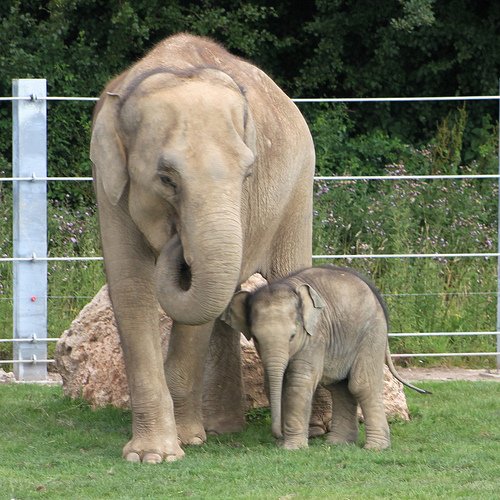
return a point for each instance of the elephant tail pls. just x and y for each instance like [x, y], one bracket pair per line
[396, 375]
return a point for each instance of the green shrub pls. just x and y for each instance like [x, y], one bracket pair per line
[414, 216]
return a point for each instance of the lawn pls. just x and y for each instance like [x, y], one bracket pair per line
[53, 447]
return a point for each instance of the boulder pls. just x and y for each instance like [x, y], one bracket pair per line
[89, 359]
[6, 377]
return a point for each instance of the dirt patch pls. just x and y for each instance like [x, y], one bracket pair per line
[441, 373]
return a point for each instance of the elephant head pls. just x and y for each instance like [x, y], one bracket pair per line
[174, 150]
[280, 319]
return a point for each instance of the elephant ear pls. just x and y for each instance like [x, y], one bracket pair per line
[235, 314]
[250, 136]
[107, 151]
[312, 307]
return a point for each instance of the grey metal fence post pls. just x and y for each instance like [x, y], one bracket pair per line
[498, 238]
[30, 227]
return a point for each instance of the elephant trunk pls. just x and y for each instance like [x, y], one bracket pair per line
[196, 277]
[275, 370]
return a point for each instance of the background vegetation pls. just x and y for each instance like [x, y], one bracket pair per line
[54, 448]
[339, 48]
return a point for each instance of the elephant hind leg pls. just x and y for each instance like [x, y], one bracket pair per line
[344, 425]
[321, 414]
[223, 395]
[371, 400]
[376, 426]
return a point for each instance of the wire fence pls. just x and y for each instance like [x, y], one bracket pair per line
[25, 356]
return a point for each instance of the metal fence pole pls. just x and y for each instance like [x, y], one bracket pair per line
[498, 238]
[30, 227]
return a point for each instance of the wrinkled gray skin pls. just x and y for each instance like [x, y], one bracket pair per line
[323, 325]
[203, 172]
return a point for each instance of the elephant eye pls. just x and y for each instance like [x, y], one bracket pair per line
[167, 180]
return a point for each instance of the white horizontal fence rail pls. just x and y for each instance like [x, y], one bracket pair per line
[405, 255]
[34, 178]
[34, 258]
[397, 99]
[30, 342]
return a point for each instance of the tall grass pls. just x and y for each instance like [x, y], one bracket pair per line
[72, 232]
[423, 294]
[413, 216]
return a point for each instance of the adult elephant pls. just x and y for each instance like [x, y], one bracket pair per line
[203, 171]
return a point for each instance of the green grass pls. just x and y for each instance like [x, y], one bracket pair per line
[53, 447]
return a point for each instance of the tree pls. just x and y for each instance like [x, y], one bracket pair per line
[78, 45]
[404, 48]
[330, 48]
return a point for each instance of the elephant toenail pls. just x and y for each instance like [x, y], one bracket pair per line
[151, 458]
[133, 457]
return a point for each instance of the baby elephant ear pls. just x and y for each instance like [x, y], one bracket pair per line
[235, 314]
[312, 307]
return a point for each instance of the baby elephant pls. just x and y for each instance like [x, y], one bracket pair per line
[323, 325]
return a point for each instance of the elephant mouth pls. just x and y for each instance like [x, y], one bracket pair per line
[184, 276]
[180, 270]
[193, 289]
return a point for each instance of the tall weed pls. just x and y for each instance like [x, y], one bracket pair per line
[380, 217]
[72, 232]
[413, 216]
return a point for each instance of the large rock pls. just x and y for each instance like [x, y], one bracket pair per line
[89, 359]
[6, 377]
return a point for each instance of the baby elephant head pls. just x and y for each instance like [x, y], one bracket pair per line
[279, 318]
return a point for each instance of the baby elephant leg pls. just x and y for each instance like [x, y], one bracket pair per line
[298, 390]
[344, 426]
[321, 414]
[370, 397]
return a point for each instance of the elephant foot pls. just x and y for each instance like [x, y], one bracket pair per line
[338, 439]
[317, 430]
[292, 445]
[377, 438]
[377, 445]
[215, 425]
[191, 434]
[152, 451]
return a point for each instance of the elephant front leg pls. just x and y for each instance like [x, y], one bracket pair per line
[154, 435]
[184, 367]
[298, 389]
[223, 395]
[129, 270]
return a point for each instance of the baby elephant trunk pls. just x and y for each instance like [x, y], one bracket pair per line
[275, 370]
